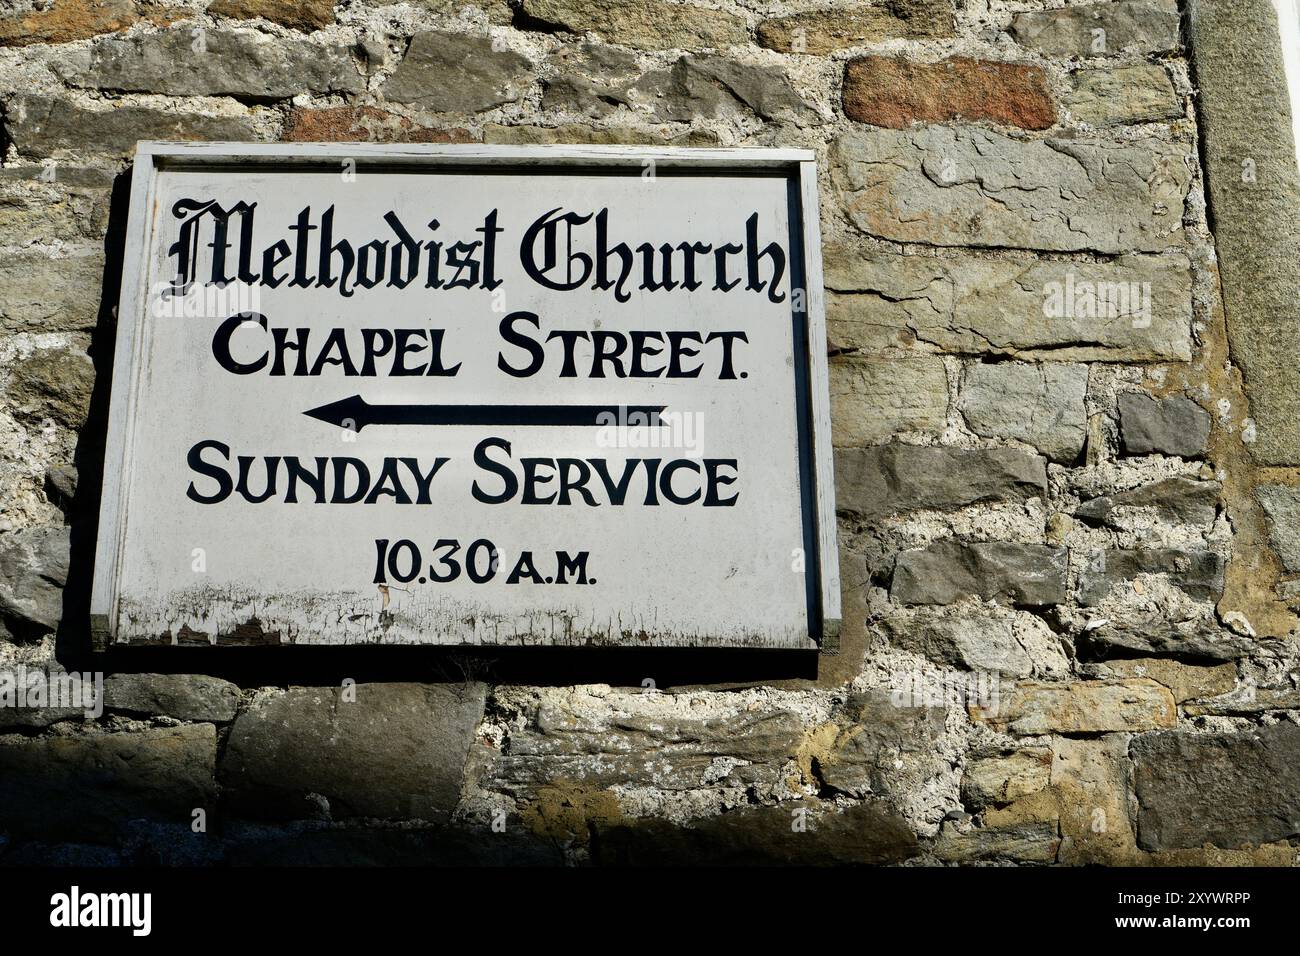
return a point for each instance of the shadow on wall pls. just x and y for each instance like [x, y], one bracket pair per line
[256, 666]
[73, 636]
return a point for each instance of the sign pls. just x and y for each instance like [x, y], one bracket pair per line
[468, 395]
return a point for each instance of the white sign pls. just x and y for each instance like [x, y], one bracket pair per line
[466, 395]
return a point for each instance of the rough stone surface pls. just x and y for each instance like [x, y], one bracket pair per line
[37, 714]
[41, 293]
[1018, 843]
[595, 61]
[53, 203]
[184, 696]
[1167, 426]
[64, 21]
[1246, 699]
[828, 30]
[46, 126]
[65, 174]
[1080, 707]
[1226, 789]
[714, 86]
[299, 14]
[495, 11]
[310, 752]
[873, 482]
[946, 571]
[892, 92]
[1152, 627]
[972, 268]
[1253, 190]
[61, 484]
[1010, 643]
[232, 62]
[595, 747]
[1135, 309]
[952, 186]
[1182, 500]
[101, 780]
[588, 135]
[33, 571]
[1199, 574]
[644, 24]
[1038, 404]
[1003, 778]
[873, 400]
[886, 749]
[1132, 94]
[1282, 506]
[1132, 26]
[863, 834]
[581, 95]
[52, 385]
[365, 124]
[446, 72]
[1184, 681]
[1092, 785]
[1086, 802]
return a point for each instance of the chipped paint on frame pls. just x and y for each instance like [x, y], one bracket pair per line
[390, 516]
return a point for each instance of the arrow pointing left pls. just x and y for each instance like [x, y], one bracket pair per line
[355, 413]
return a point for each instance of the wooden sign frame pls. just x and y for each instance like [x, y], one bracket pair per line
[797, 167]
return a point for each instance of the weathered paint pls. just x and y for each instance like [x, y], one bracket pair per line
[186, 559]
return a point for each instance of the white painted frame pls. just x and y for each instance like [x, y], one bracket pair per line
[798, 165]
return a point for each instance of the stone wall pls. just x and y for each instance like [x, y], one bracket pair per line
[1068, 622]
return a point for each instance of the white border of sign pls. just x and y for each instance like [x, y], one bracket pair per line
[799, 165]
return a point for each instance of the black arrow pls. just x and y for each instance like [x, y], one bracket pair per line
[355, 413]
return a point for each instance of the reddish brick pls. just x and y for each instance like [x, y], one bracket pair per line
[64, 21]
[886, 91]
[365, 124]
[298, 14]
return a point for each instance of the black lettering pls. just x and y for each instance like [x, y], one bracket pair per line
[482, 460]
[224, 484]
